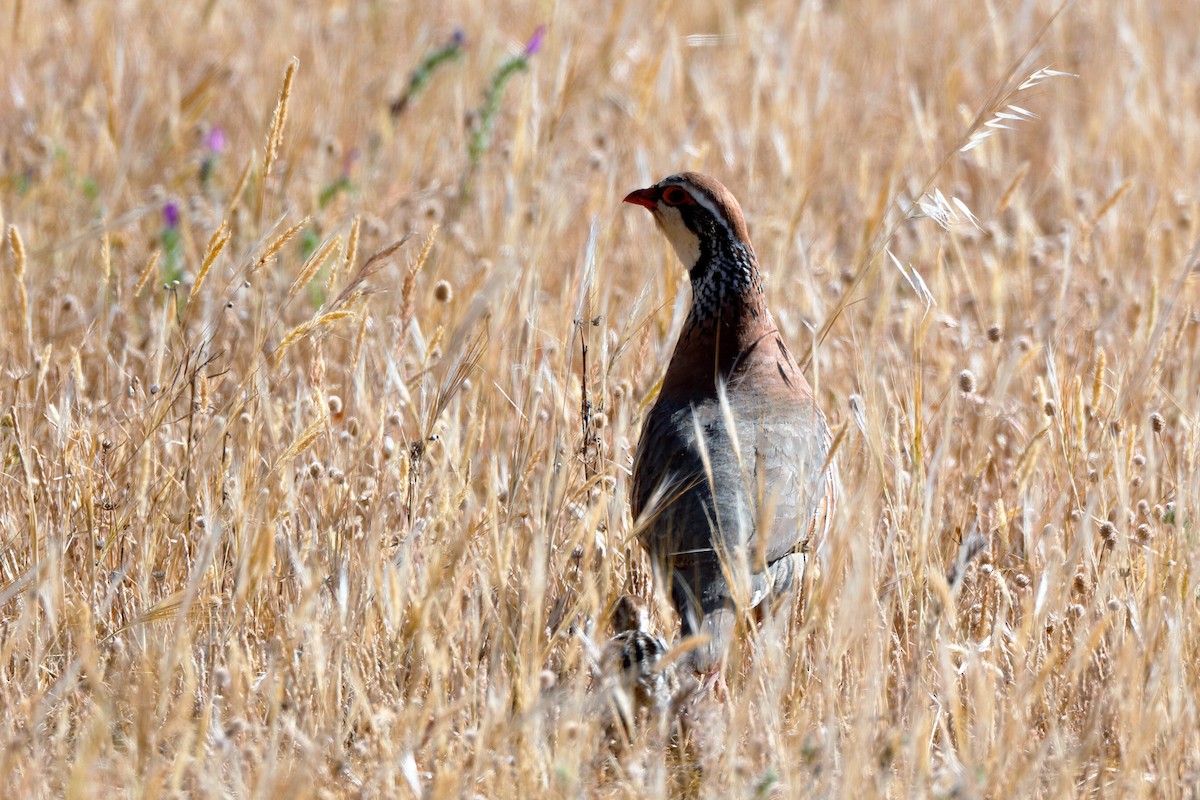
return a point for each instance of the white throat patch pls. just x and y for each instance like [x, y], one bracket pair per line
[686, 243]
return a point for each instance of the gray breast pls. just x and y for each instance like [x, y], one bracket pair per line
[701, 491]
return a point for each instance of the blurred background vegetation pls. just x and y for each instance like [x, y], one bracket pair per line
[291, 507]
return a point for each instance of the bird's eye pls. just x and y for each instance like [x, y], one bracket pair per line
[674, 196]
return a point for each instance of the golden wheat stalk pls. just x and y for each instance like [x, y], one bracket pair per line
[216, 244]
[147, 271]
[352, 246]
[279, 119]
[304, 441]
[310, 268]
[106, 259]
[307, 328]
[408, 288]
[240, 188]
[277, 244]
[17, 248]
[274, 136]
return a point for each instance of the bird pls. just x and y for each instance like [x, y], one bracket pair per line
[647, 684]
[733, 478]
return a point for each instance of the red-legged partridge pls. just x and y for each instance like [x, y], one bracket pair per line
[731, 480]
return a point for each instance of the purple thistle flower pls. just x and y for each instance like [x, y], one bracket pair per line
[215, 141]
[535, 42]
[171, 214]
[459, 38]
[352, 155]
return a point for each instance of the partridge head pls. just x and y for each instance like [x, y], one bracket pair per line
[635, 653]
[730, 480]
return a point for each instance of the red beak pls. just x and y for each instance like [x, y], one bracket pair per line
[644, 197]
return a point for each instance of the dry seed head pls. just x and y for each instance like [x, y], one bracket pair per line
[1108, 532]
[303, 441]
[18, 250]
[443, 292]
[432, 210]
[305, 329]
[236, 197]
[1098, 377]
[1157, 423]
[106, 258]
[407, 288]
[147, 271]
[216, 244]
[1048, 408]
[279, 118]
[966, 381]
[312, 266]
[277, 245]
[77, 371]
[352, 246]
[994, 333]
[360, 336]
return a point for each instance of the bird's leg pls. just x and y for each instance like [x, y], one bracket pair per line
[715, 685]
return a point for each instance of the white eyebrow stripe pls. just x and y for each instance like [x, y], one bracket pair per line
[705, 201]
[702, 199]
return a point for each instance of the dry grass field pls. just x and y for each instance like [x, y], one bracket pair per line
[289, 508]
